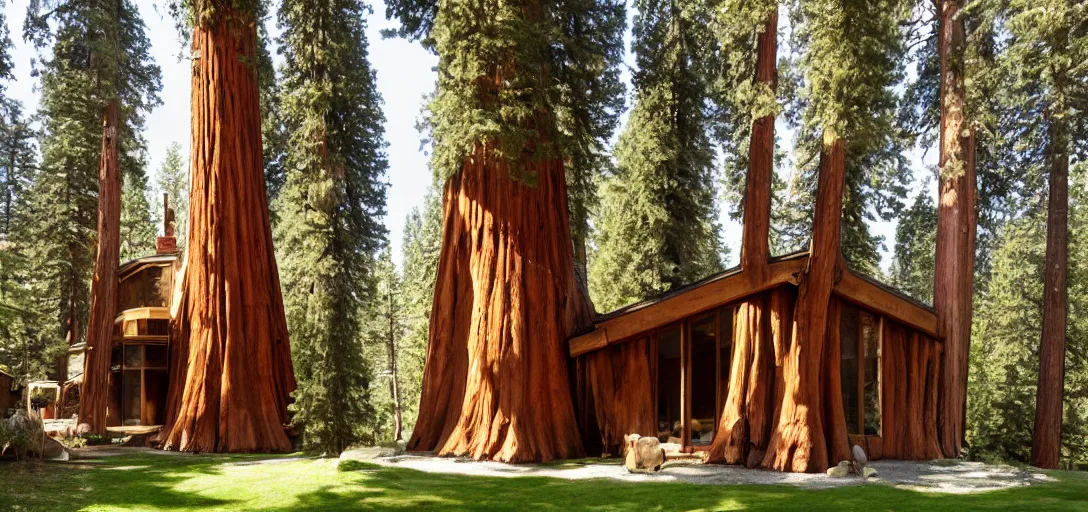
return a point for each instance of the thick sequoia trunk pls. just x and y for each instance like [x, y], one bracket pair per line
[799, 439]
[506, 299]
[96, 370]
[619, 383]
[956, 231]
[910, 368]
[1046, 436]
[744, 423]
[230, 369]
[834, 417]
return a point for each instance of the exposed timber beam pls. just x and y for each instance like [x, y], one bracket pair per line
[730, 287]
[869, 295]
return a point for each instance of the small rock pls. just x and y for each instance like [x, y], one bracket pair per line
[839, 471]
[844, 463]
[859, 455]
[868, 472]
[53, 450]
[83, 429]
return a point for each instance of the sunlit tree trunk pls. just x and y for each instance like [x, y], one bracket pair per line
[956, 231]
[800, 440]
[95, 389]
[746, 419]
[231, 374]
[506, 299]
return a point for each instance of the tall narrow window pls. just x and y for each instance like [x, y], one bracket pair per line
[860, 370]
[704, 354]
[670, 426]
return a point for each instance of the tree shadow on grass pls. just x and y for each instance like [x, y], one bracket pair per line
[139, 481]
[405, 489]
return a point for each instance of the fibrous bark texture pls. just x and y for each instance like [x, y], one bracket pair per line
[1046, 437]
[744, 425]
[506, 299]
[96, 372]
[798, 441]
[956, 231]
[619, 393]
[230, 368]
[834, 417]
[910, 380]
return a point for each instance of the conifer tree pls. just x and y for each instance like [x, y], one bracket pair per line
[1046, 52]
[172, 179]
[229, 330]
[421, 246]
[97, 84]
[137, 227]
[501, 144]
[385, 335]
[330, 228]
[877, 170]
[658, 227]
[915, 240]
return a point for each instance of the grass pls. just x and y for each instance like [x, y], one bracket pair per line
[146, 481]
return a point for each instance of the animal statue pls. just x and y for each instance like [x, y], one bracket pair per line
[644, 454]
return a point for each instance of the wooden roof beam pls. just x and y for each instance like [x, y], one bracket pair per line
[718, 292]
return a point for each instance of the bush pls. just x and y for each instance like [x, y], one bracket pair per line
[21, 434]
[95, 439]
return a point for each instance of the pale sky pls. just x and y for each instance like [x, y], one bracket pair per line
[405, 73]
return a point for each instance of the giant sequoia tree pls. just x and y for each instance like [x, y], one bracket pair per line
[749, 30]
[657, 229]
[1047, 51]
[330, 207]
[230, 360]
[96, 87]
[506, 295]
[877, 170]
[850, 51]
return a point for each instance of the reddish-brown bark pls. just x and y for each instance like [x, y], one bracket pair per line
[798, 441]
[231, 374]
[96, 366]
[744, 422]
[1046, 437]
[506, 299]
[834, 417]
[621, 387]
[956, 230]
[910, 380]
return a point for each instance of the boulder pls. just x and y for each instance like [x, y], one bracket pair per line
[54, 450]
[644, 454]
[839, 471]
[869, 472]
[859, 455]
[83, 429]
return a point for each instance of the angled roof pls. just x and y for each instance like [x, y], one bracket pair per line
[131, 266]
[732, 285]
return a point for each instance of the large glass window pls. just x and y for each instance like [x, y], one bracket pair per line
[704, 379]
[860, 370]
[669, 386]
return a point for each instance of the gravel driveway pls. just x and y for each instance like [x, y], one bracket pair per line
[937, 476]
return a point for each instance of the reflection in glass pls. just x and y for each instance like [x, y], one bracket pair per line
[704, 349]
[669, 427]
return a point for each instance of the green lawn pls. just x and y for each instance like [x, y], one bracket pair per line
[162, 482]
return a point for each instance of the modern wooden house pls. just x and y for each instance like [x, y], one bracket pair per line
[663, 367]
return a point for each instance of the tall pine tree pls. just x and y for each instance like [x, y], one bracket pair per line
[330, 229]
[877, 171]
[172, 179]
[915, 240]
[98, 53]
[658, 228]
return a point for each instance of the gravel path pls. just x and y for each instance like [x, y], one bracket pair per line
[943, 476]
